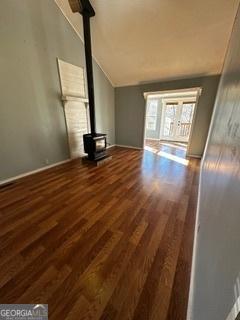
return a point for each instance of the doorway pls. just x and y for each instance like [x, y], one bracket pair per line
[170, 116]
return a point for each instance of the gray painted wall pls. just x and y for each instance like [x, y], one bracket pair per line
[130, 110]
[217, 259]
[32, 123]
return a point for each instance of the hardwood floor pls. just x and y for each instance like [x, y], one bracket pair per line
[159, 144]
[110, 242]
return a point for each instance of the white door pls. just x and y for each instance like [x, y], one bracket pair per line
[177, 119]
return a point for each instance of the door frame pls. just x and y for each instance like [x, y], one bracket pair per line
[165, 92]
[178, 101]
[199, 92]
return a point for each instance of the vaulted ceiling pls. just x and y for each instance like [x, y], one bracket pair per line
[146, 40]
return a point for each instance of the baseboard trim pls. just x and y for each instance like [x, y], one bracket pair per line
[194, 253]
[235, 312]
[129, 147]
[6, 181]
[194, 156]
[112, 145]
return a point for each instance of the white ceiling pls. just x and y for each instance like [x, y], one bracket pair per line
[146, 40]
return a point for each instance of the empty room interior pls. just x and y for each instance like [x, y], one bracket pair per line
[120, 160]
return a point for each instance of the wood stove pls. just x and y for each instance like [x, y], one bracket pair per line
[94, 143]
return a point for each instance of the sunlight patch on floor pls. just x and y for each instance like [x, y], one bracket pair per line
[168, 156]
[181, 146]
[173, 157]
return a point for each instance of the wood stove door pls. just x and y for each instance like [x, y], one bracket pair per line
[76, 114]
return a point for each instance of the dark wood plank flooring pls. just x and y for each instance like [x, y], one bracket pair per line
[110, 242]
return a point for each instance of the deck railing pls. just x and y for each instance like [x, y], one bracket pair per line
[183, 129]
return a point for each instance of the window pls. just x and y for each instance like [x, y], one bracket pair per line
[151, 116]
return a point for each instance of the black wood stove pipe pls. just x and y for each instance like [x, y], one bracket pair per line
[87, 11]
